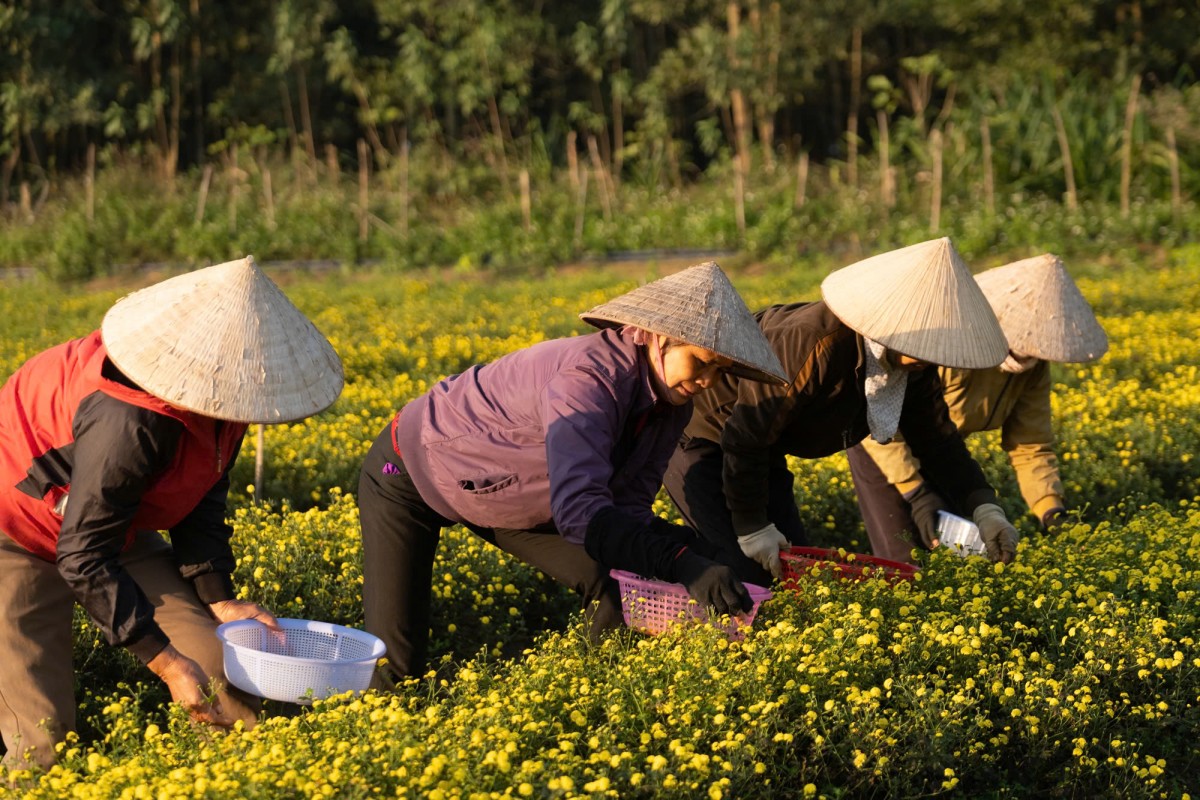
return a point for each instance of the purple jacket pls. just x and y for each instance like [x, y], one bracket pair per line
[546, 436]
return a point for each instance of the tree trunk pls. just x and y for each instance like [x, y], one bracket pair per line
[405, 200]
[364, 178]
[89, 183]
[855, 98]
[233, 188]
[7, 170]
[1127, 143]
[498, 139]
[737, 100]
[526, 200]
[1068, 166]
[739, 199]
[601, 178]
[764, 115]
[801, 181]
[618, 160]
[202, 200]
[197, 87]
[573, 160]
[176, 109]
[289, 119]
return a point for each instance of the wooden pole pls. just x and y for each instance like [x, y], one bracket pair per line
[935, 203]
[259, 462]
[405, 200]
[364, 177]
[852, 117]
[1127, 143]
[89, 182]
[233, 188]
[801, 181]
[739, 198]
[526, 200]
[580, 207]
[989, 181]
[202, 201]
[598, 168]
[887, 192]
[268, 195]
[573, 162]
[1064, 145]
[1173, 165]
[331, 163]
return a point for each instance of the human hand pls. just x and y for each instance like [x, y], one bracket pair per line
[230, 610]
[924, 505]
[186, 681]
[712, 585]
[998, 534]
[763, 546]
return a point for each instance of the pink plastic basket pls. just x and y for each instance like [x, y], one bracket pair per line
[653, 606]
[799, 561]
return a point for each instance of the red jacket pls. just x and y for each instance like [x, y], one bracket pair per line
[87, 460]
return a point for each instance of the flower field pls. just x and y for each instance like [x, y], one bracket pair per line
[1074, 672]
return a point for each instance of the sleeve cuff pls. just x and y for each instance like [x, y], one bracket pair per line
[904, 487]
[150, 645]
[213, 587]
[1047, 503]
[746, 522]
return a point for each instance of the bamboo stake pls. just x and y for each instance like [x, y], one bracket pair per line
[886, 190]
[598, 168]
[233, 188]
[1127, 143]
[935, 203]
[801, 181]
[572, 162]
[1173, 165]
[259, 463]
[364, 177]
[989, 182]
[580, 207]
[526, 200]
[26, 201]
[268, 196]
[1068, 167]
[89, 182]
[739, 198]
[405, 200]
[205, 180]
[852, 118]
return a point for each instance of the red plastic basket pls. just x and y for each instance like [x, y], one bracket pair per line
[798, 563]
[653, 606]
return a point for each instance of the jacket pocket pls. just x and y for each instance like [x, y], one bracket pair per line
[487, 484]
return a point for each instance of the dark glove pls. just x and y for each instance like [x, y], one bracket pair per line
[1053, 520]
[925, 505]
[712, 585]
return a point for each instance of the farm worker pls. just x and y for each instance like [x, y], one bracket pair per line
[555, 453]
[857, 362]
[113, 437]
[1044, 318]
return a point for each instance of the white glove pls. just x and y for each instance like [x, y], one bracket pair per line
[998, 534]
[763, 546]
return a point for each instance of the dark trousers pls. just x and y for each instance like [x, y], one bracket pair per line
[885, 512]
[694, 482]
[400, 537]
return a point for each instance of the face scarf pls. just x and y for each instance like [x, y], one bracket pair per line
[641, 336]
[1016, 364]
[885, 393]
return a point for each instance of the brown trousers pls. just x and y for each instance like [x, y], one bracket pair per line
[37, 703]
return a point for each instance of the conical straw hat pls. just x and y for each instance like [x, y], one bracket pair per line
[226, 343]
[920, 301]
[1042, 311]
[699, 306]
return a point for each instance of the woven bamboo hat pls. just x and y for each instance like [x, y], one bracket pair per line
[920, 301]
[224, 342]
[1042, 312]
[699, 306]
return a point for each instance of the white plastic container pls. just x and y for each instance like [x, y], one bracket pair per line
[960, 534]
[302, 662]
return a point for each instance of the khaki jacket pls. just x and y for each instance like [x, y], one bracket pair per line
[984, 400]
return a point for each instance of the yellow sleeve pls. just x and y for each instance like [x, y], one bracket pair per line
[896, 461]
[1027, 435]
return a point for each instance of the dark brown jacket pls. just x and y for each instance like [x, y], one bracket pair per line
[821, 412]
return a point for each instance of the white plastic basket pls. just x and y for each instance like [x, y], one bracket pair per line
[302, 662]
[960, 535]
